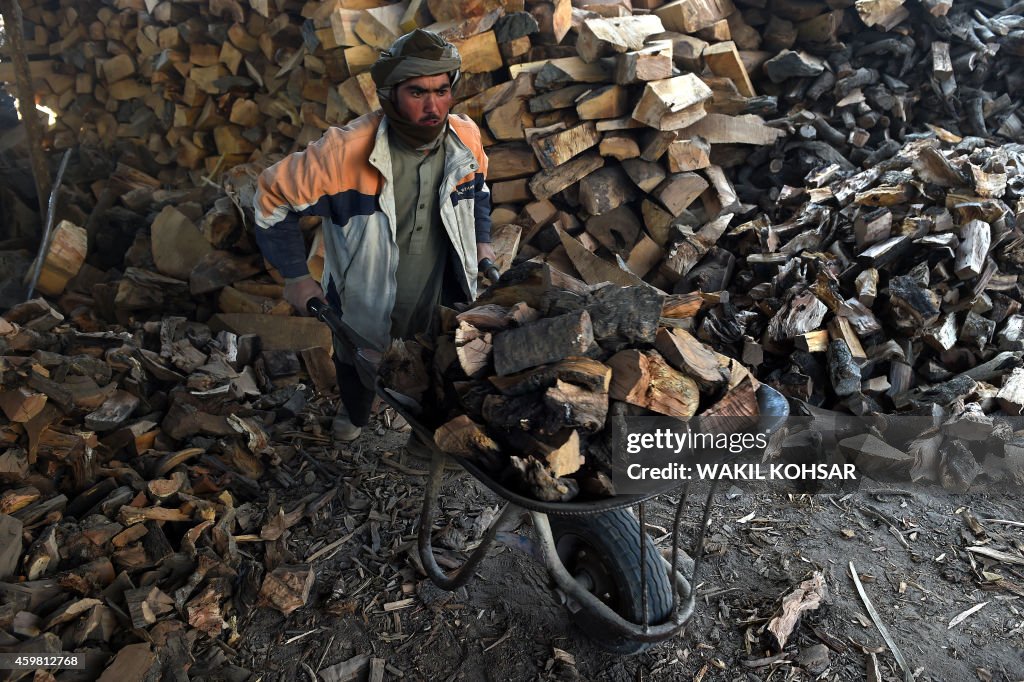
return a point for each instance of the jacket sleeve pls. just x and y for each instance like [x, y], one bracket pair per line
[482, 202]
[294, 187]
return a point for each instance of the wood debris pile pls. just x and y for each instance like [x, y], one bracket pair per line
[617, 133]
[131, 500]
[524, 381]
[855, 84]
[627, 146]
[894, 290]
[201, 87]
[206, 86]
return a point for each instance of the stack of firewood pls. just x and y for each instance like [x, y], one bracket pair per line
[130, 493]
[893, 290]
[628, 148]
[915, 261]
[206, 86]
[852, 90]
[616, 133]
[524, 381]
[623, 144]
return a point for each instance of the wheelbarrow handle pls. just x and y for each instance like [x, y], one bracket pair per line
[490, 270]
[322, 310]
[361, 352]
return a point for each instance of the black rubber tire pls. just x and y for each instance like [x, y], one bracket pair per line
[606, 548]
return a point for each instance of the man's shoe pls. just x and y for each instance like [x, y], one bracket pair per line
[343, 430]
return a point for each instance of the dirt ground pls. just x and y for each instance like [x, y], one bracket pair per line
[907, 544]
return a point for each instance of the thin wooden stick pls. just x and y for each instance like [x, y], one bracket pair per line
[908, 675]
[1005, 522]
[334, 545]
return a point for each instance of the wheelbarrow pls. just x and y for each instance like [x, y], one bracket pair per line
[616, 585]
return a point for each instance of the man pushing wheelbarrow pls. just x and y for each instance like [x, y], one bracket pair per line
[407, 228]
[406, 214]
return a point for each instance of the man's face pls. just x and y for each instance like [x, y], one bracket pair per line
[424, 100]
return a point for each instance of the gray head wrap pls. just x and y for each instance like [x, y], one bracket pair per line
[420, 53]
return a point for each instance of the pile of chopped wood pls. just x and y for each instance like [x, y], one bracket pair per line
[202, 266]
[853, 95]
[523, 382]
[131, 498]
[207, 86]
[614, 133]
[893, 290]
[905, 275]
[610, 166]
[630, 147]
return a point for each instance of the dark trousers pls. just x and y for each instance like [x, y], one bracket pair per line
[358, 399]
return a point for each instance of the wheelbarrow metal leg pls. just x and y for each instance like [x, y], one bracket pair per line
[510, 513]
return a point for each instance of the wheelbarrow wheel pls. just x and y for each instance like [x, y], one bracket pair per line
[603, 553]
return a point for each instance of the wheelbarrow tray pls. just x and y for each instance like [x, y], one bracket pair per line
[772, 406]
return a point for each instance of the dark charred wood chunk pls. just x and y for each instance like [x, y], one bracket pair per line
[584, 372]
[788, 64]
[219, 269]
[876, 457]
[977, 331]
[156, 544]
[514, 25]
[526, 412]
[114, 412]
[959, 466]
[933, 372]
[526, 283]
[625, 316]
[908, 294]
[843, 371]
[11, 544]
[542, 342]
[779, 34]
[943, 394]
[714, 273]
[886, 252]
[471, 396]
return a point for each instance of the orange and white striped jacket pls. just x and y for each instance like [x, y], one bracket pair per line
[346, 177]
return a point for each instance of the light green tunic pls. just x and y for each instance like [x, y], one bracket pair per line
[423, 245]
